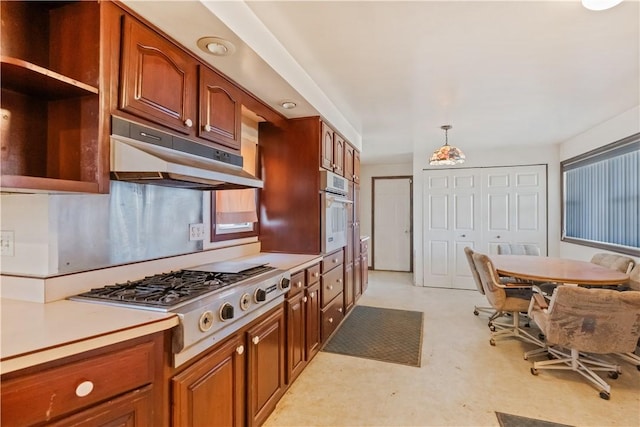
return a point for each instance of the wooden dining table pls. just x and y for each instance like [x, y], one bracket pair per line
[558, 270]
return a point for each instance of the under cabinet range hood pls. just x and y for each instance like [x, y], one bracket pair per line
[148, 156]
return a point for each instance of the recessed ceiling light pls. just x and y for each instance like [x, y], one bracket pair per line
[216, 46]
[600, 4]
[288, 105]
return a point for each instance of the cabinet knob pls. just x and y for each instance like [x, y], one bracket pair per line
[312, 295]
[207, 128]
[497, 237]
[333, 165]
[335, 260]
[240, 349]
[255, 339]
[299, 284]
[340, 281]
[331, 320]
[304, 299]
[339, 309]
[316, 274]
[462, 235]
[330, 287]
[188, 123]
[84, 388]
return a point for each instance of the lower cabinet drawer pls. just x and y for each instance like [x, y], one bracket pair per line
[46, 395]
[332, 285]
[332, 315]
[297, 283]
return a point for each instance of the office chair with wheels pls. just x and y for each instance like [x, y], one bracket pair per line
[511, 298]
[577, 321]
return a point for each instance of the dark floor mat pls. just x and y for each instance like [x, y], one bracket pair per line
[383, 334]
[508, 420]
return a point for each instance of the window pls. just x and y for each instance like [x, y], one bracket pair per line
[601, 197]
[233, 214]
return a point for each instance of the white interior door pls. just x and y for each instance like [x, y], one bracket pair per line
[515, 204]
[392, 235]
[452, 221]
[479, 208]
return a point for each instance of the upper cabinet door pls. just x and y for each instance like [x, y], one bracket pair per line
[348, 162]
[338, 154]
[356, 166]
[220, 110]
[158, 79]
[326, 147]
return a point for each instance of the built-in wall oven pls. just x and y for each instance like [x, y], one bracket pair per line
[333, 207]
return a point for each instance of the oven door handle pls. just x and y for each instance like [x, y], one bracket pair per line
[332, 199]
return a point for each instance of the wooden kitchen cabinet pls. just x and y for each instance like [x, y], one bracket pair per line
[349, 152]
[115, 385]
[212, 391]
[219, 115]
[265, 366]
[338, 154]
[159, 79]
[332, 148]
[356, 166]
[53, 66]
[303, 321]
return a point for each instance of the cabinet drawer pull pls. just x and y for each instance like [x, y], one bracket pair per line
[188, 123]
[339, 309]
[84, 388]
[330, 287]
[339, 281]
[255, 339]
[313, 295]
[304, 299]
[299, 284]
[207, 128]
[240, 349]
[316, 274]
[335, 260]
[331, 320]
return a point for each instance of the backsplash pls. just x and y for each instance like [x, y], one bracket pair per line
[83, 232]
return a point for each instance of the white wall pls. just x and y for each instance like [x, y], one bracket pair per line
[612, 130]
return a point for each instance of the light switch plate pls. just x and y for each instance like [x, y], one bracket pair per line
[7, 241]
[196, 232]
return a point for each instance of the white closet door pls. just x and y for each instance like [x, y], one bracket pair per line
[479, 208]
[515, 205]
[452, 221]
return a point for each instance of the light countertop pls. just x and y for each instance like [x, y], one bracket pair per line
[35, 332]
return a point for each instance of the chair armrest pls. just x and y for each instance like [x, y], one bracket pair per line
[540, 301]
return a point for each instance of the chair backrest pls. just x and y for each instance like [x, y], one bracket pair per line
[634, 278]
[592, 320]
[469, 253]
[518, 249]
[624, 264]
[490, 281]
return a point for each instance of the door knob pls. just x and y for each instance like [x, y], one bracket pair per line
[463, 235]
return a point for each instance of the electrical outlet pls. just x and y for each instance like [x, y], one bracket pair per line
[6, 243]
[196, 232]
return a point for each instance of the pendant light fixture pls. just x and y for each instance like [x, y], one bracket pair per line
[447, 154]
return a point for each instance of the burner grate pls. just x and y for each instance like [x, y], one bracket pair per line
[167, 290]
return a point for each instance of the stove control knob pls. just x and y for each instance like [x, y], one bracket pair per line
[260, 295]
[284, 283]
[206, 321]
[226, 311]
[245, 301]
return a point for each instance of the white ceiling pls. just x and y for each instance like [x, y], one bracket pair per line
[388, 74]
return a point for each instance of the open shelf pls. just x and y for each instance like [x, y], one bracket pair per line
[25, 77]
[34, 184]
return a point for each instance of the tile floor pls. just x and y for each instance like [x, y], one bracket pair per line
[462, 380]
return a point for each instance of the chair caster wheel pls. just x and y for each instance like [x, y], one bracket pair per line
[476, 312]
[492, 342]
[534, 371]
[613, 375]
[604, 395]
